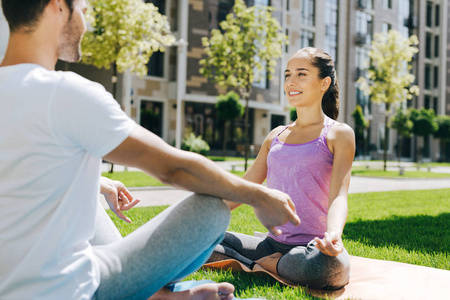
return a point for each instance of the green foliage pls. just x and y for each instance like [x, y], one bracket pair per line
[389, 69]
[133, 178]
[228, 107]
[125, 33]
[195, 144]
[361, 122]
[250, 42]
[424, 121]
[401, 122]
[443, 131]
[358, 116]
[293, 114]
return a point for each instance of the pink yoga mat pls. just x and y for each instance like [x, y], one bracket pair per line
[373, 279]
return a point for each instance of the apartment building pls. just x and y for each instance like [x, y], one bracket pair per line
[175, 90]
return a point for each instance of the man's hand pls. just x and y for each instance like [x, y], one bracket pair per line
[275, 210]
[330, 245]
[117, 196]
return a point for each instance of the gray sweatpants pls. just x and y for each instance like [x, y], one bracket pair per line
[304, 264]
[164, 250]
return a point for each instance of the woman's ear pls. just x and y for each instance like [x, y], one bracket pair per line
[326, 83]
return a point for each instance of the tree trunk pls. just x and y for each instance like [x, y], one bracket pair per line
[385, 136]
[400, 142]
[247, 96]
[114, 93]
[224, 147]
[365, 135]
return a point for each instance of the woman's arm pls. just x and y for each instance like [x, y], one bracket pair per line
[341, 141]
[257, 172]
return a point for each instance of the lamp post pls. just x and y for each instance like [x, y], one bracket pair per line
[181, 87]
[181, 64]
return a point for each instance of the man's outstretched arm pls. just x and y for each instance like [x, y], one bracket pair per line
[191, 171]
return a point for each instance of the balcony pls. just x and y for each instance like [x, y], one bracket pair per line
[360, 73]
[363, 39]
[363, 4]
[411, 22]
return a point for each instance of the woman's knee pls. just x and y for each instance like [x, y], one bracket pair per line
[308, 266]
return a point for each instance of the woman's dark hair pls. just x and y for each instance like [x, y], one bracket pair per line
[325, 64]
[26, 13]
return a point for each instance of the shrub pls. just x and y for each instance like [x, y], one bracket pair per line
[195, 144]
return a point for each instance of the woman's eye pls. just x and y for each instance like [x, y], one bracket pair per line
[286, 76]
[301, 74]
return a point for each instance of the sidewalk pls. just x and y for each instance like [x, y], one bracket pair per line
[155, 196]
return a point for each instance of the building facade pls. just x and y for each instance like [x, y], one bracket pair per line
[175, 90]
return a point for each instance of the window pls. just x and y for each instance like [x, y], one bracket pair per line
[263, 81]
[429, 14]
[155, 65]
[306, 39]
[427, 101]
[428, 46]
[427, 77]
[436, 76]
[277, 120]
[151, 116]
[437, 14]
[406, 18]
[436, 46]
[308, 12]
[160, 4]
[435, 104]
[385, 27]
[387, 4]
[331, 26]
[364, 25]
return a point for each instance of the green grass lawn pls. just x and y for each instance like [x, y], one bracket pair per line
[140, 179]
[360, 171]
[406, 226]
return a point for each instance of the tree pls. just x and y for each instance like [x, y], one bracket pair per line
[443, 133]
[293, 113]
[250, 42]
[228, 109]
[389, 78]
[123, 35]
[424, 123]
[401, 122]
[361, 124]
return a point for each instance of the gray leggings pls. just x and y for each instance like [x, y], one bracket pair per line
[164, 250]
[304, 265]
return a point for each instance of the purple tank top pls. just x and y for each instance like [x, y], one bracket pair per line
[303, 171]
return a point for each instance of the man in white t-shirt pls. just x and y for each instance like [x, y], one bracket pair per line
[55, 129]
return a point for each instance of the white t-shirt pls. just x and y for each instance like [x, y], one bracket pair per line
[54, 129]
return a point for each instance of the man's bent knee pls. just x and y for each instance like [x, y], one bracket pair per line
[212, 210]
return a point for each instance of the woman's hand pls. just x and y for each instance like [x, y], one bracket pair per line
[330, 245]
[117, 196]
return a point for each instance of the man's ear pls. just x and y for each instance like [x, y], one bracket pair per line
[326, 83]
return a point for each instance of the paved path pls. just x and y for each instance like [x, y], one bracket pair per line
[153, 196]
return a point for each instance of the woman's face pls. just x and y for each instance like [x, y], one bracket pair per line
[302, 84]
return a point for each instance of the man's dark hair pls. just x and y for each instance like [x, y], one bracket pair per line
[26, 13]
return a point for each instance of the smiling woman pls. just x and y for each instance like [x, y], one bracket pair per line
[311, 161]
